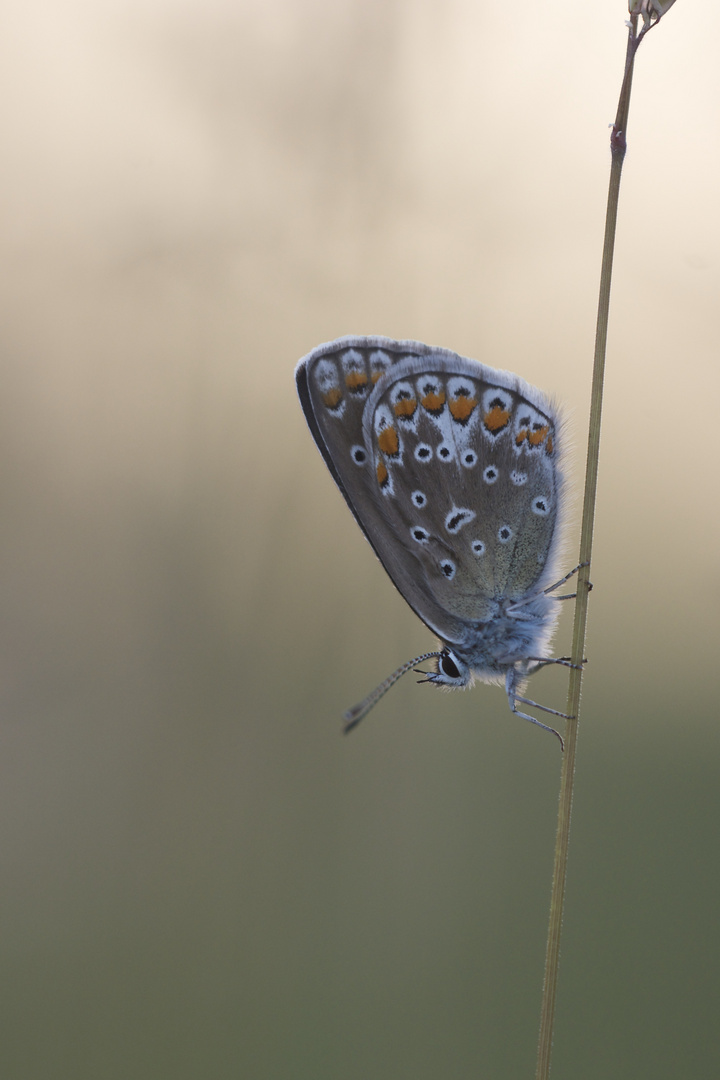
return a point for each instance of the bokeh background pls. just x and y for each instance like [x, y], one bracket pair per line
[199, 876]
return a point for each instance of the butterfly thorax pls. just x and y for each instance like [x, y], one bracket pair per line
[509, 639]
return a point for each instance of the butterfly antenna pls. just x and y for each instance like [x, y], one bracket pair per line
[358, 712]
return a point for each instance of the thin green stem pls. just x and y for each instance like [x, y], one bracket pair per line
[617, 145]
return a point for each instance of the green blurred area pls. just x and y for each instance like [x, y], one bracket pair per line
[200, 876]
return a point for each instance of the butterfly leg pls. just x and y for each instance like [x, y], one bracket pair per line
[512, 610]
[513, 698]
[534, 720]
[567, 596]
[565, 661]
[537, 705]
[552, 588]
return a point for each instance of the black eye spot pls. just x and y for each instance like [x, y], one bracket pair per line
[423, 452]
[469, 458]
[504, 534]
[444, 453]
[418, 498]
[448, 568]
[358, 455]
[420, 535]
[449, 667]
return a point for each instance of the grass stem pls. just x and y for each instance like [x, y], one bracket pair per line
[617, 146]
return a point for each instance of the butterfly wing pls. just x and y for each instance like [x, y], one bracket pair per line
[448, 466]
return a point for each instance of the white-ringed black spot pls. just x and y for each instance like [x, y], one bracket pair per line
[504, 534]
[356, 380]
[458, 517]
[402, 391]
[379, 363]
[478, 547]
[490, 474]
[497, 398]
[423, 452]
[469, 458]
[497, 406]
[359, 455]
[444, 452]
[419, 535]
[448, 568]
[541, 506]
[326, 375]
[419, 499]
[518, 478]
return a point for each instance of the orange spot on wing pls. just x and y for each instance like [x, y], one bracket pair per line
[382, 474]
[434, 402]
[496, 419]
[332, 398]
[388, 441]
[405, 407]
[355, 381]
[549, 445]
[521, 436]
[535, 438]
[375, 376]
[461, 408]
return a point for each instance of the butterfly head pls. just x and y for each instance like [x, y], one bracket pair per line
[450, 671]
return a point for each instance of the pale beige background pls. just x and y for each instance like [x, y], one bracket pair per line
[200, 877]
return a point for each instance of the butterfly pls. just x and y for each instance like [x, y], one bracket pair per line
[452, 470]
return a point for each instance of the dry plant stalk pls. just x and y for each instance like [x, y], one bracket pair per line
[650, 11]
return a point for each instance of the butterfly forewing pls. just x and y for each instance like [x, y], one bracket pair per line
[449, 467]
[335, 383]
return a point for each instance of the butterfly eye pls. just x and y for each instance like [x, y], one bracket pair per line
[448, 666]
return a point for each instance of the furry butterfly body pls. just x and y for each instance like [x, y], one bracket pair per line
[451, 469]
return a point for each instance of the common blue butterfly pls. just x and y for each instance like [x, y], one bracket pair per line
[451, 469]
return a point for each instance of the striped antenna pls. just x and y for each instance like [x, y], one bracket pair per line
[353, 716]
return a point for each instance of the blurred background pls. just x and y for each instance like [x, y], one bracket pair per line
[199, 876]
